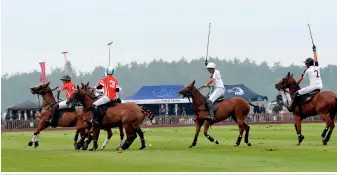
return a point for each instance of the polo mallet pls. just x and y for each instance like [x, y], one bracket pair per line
[109, 51]
[65, 61]
[312, 40]
[209, 33]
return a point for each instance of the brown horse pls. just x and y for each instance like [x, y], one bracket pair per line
[67, 117]
[89, 137]
[236, 107]
[91, 91]
[129, 115]
[322, 103]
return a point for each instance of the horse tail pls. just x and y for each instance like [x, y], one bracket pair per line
[251, 104]
[147, 113]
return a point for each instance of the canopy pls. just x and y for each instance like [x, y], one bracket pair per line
[157, 95]
[240, 90]
[24, 105]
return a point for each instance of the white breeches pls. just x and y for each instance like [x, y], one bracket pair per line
[63, 105]
[101, 101]
[309, 89]
[217, 92]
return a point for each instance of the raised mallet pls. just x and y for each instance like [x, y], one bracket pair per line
[209, 33]
[109, 51]
[312, 40]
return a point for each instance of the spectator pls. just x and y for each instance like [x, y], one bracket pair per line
[162, 110]
[176, 110]
[166, 110]
[183, 111]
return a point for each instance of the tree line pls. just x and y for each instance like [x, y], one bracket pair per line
[260, 78]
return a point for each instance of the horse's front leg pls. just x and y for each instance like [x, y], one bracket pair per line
[198, 124]
[105, 143]
[35, 137]
[121, 135]
[298, 128]
[96, 130]
[210, 138]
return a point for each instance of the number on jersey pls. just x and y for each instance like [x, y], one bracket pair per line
[112, 84]
[317, 74]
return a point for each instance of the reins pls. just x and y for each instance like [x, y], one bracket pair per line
[48, 103]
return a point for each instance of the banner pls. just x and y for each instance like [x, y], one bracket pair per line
[43, 72]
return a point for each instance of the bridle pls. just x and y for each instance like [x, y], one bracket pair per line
[283, 89]
[192, 92]
[49, 104]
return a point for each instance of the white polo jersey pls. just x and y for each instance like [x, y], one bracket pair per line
[218, 83]
[314, 75]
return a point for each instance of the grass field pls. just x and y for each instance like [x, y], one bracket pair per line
[273, 149]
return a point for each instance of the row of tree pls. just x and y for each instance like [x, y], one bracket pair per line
[261, 78]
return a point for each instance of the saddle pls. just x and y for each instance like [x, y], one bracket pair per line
[103, 108]
[216, 103]
[306, 98]
[72, 108]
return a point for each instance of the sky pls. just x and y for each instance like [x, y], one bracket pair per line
[262, 30]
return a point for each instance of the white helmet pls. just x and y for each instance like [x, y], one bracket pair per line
[210, 65]
[110, 70]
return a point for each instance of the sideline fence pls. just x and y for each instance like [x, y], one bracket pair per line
[160, 121]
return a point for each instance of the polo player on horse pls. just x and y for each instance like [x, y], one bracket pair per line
[312, 72]
[111, 87]
[219, 88]
[69, 87]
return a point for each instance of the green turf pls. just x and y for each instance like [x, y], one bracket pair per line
[273, 149]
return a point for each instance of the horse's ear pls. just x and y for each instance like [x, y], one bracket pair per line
[88, 83]
[288, 75]
[193, 82]
[47, 84]
[292, 75]
[82, 84]
[78, 88]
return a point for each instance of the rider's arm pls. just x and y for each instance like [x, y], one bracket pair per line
[117, 86]
[210, 81]
[302, 76]
[62, 88]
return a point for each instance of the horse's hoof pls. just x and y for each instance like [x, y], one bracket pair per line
[143, 147]
[235, 145]
[36, 144]
[120, 150]
[191, 146]
[217, 142]
[325, 143]
[92, 149]
[30, 143]
[298, 144]
[249, 144]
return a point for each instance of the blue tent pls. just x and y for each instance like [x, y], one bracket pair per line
[240, 90]
[157, 95]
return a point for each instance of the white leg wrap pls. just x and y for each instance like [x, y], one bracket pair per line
[105, 143]
[34, 138]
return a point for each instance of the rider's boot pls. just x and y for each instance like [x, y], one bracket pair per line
[292, 106]
[211, 110]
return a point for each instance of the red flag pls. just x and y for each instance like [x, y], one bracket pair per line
[43, 72]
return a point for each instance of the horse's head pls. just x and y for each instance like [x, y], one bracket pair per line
[40, 89]
[188, 91]
[82, 95]
[287, 82]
